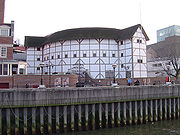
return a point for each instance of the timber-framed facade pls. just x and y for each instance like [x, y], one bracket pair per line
[92, 50]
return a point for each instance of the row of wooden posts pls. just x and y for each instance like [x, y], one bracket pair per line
[77, 117]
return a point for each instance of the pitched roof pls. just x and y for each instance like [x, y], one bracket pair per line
[87, 33]
[34, 41]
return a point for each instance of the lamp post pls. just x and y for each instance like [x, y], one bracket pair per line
[128, 75]
[114, 67]
[41, 85]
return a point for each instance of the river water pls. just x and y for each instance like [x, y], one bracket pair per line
[169, 127]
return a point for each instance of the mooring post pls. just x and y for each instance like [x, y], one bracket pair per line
[0, 121]
[106, 114]
[151, 110]
[165, 109]
[124, 114]
[100, 115]
[93, 116]
[169, 108]
[141, 111]
[8, 120]
[156, 110]
[130, 112]
[160, 112]
[112, 112]
[146, 111]
[86, 116]
[136, 113]
[174, 108]
[119, 113]
[72, 117]
[33, 120]
[79, 117]
[49, 119]
[25, 120]
[16, 120]
[41, 119]
[57, 119]
[178, 107]
[65, 118]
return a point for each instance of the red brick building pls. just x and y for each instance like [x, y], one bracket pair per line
[8, 65]
[2, 5]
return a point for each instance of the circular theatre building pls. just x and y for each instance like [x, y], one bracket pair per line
[91, 50]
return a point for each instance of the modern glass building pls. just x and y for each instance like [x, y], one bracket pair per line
[173, 30]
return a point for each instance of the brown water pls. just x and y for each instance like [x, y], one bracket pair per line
[170, 127]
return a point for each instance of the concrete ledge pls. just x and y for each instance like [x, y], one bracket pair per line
[85, 95]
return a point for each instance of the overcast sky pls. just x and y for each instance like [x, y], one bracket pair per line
[43, 17]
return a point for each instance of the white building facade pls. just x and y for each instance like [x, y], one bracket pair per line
[92, 50]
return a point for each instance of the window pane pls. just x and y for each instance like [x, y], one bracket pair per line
[5, 69]
[3, 51]
[21, 71]
[4, 32]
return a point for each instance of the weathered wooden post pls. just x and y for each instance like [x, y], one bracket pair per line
[106, 114]
[130, 112]
[86, 115]
[65, 118]
[72, 117]
[100, 115]
[49, 120]
[178, 107]
[165, 109]
[141, 111]
[156, 110]
[169, 108]
[174, 108]
[136, 113]
[57, 119]
[112, 113]
[0, 121]
[160, 111]
[79, 117]
[124, 113]
[25, 120]
[16, 120]
[151, 110]
[93, 116]
[146, 110]
[41, 119]
[119, 113]
[8, 120]
[33, 120]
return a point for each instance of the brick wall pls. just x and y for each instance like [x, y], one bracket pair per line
[2, 4]
[7, 79]
[20, 81]
[6, 40]
[9, 53]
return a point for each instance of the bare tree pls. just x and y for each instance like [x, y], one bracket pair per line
[174, 70]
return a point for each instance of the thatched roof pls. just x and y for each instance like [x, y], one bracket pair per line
[84, 33]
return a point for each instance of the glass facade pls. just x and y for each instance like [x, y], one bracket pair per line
[168, 32]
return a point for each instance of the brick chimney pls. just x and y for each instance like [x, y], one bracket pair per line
[2, 6]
